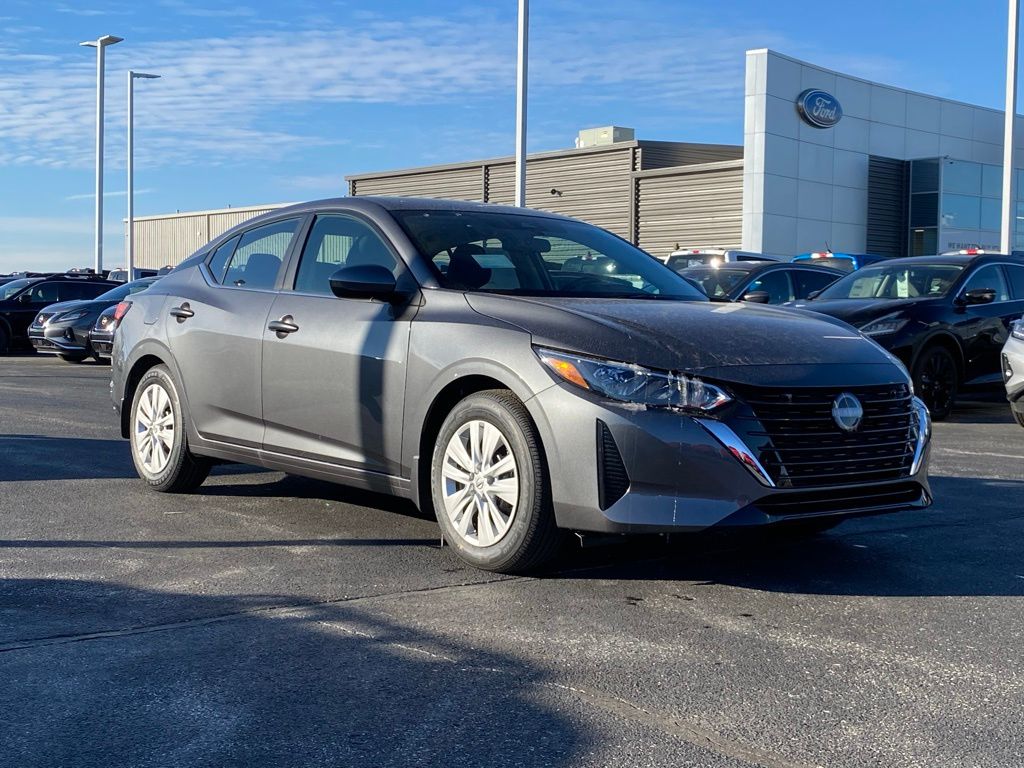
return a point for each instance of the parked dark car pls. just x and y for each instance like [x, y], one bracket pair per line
[844, 262]
[441, 351]
[945, 317]
[22, 299]
[120, 274]
[65, 328]
[762, 282]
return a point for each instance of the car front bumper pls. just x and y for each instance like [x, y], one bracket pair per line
[684, 475]
[102, 342]
[1012, 360]
[61, 339]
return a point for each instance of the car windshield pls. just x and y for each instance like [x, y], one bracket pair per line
[116, 294]
[13, 288]
[525, 255]
[895, 281]
[716, 283]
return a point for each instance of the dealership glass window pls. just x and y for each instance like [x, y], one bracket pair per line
[991, 214]
[924, 210]
[991, 181]
[923, 241]
[961, 211]
[961, 178]
[924, 176]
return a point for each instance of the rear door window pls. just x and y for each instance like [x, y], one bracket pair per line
[1016, 275]
[221, 257]
[806, 282]
[258, 257]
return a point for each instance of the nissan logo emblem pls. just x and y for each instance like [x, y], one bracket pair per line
[847, 412]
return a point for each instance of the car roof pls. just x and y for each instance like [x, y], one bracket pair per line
[408, 204]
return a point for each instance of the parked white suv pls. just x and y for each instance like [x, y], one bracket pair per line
[1013, 369]
[699, 257]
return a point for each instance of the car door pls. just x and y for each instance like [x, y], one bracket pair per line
[774, 282]
[334, 388]
[214, 326]
[985, 327]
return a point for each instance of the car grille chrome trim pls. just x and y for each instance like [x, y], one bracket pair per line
[740, 451]
[795, 437]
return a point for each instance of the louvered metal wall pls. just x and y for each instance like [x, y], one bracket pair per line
[163, 240]
[669, 154]
[462, 183]
[887, 206]
[696, 205]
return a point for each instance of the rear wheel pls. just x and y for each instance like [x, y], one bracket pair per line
[935, 381]
[159, 441]
[489, 485]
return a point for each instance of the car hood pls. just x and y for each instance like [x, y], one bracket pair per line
[695, 336]
[87, 304]
[857, 312]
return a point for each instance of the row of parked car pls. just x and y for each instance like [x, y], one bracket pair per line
[69, 314]
[953, 320]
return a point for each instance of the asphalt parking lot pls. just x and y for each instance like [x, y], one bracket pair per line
[271, 620]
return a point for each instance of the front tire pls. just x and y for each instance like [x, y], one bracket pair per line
[158, 437]
[936, 379]
[490, 487]
[72, 358]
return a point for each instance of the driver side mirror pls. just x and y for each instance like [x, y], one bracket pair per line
[25, 298]
[814, 294]
[758, 297]
[979, 296]
[365, 281]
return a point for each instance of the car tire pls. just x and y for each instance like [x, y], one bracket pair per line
[487, 442]
[5, 341]
[159, 440]
[72, 358]
[936, 379]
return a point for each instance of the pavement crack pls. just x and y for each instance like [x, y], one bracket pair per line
[143, 629]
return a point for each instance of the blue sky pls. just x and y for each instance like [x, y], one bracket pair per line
[265, 102]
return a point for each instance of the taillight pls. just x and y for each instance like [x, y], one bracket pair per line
[120, 311]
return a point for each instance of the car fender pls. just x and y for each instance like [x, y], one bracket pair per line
[151, 346]
[944, 335]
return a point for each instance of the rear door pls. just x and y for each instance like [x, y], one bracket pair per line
[985, 327]
[215, 331]
[334, 389]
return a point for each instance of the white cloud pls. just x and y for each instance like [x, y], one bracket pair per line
[115, 193]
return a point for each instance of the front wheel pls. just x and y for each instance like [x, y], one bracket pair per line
[935, 381]
[159, 442]
[489, 485]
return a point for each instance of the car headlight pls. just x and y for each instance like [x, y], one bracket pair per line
[630, 383]
[883, 325]
[68, 317]
[1017, 329]
[104, 321]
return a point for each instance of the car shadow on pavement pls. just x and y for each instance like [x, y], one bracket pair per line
[987, 409]
[172, 679]
[967, 544]
[41, 457]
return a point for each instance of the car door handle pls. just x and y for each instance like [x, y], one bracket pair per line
[182, 313]
[283, 327]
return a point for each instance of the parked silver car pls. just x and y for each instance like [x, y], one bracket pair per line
[522, 373]
[1013, 369]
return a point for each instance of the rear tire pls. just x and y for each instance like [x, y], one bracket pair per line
[159, 439]
[936, 379]
[489, 485]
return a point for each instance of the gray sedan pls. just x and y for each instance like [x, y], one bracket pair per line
[520, 373]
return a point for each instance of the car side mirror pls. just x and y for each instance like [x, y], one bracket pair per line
[758, 297]
[979, 296]
[814, 294]
[25, 298]
[365, 281]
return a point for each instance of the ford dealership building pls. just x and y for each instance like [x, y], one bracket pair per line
[827, 161]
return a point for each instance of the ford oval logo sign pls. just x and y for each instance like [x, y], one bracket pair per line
[818, 108]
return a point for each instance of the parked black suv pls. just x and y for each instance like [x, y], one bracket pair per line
[21, 300]
[945, 317]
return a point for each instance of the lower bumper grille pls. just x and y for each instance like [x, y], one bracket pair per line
[860, 499]
[800, 445]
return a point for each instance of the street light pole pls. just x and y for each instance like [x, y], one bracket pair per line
[1009, 120]
[521, 81]
[130, 192]
[99, 44]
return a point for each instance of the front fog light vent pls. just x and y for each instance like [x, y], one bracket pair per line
[612, 479]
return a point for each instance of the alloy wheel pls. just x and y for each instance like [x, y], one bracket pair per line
[938, 382]
[480, 483]
[154, 429]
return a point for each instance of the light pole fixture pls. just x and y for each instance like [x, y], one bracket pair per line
[130, 192]
[1008, 219]
[521, 81]
[99, 44]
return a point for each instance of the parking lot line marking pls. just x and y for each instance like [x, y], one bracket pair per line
[978, 453]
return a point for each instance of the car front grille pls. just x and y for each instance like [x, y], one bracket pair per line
[867, 498]
[800, 445]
